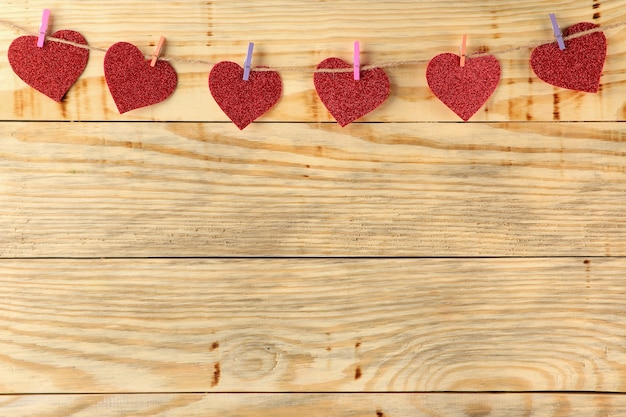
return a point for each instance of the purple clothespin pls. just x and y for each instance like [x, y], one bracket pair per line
[557, 32]
[43, 29]
[247, 65]
[357, 61]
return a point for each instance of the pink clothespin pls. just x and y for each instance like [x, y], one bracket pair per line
[557, 32]
[43, 29]
[157, 51]
[463, 45]
[357, 61]
[248, 63]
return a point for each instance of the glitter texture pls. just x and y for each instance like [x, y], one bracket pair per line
[578, 67]
[133, 83]
[52, 69]
[463, 89]
[244, 101]
[344, 97]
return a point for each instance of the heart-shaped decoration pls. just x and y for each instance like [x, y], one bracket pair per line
[133, 83]
[348, 99]
[579, 66]
[243, 101]
[463, 89]
[52, 69]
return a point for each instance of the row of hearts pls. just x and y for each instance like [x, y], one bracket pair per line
[54, 68]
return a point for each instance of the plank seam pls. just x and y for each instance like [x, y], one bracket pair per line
[305, 258]
[315, 393]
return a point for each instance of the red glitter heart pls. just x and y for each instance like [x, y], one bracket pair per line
[579, 66]
[52, 69]
[244, 101]
[133, 83]
[463, 89]
[346, 98]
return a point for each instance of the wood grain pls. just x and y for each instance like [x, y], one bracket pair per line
[340, 405]
[395, 267]
[295, 325]
[304, 33]
[194, 189]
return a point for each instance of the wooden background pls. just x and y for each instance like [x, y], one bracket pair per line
[164, 263]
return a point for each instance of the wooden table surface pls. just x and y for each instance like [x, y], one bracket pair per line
[164, 263]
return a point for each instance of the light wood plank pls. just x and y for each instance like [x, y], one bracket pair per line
[190, 325]
[301, 33]
[343, 405]
[186, 189]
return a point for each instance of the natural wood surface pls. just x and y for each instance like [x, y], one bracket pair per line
[164, 263]
[346, 405]
[192, 189]
[285, 325]
[301, 34]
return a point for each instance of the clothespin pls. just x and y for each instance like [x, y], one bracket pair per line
[557, 32]
[463, 45]
[43, 29]
[248, 64]
[157, 51]
[357, 61]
